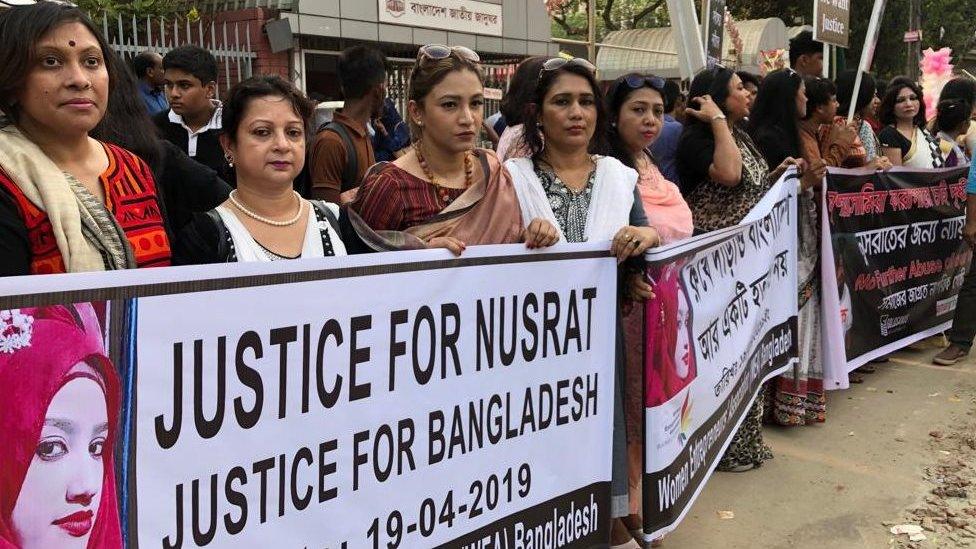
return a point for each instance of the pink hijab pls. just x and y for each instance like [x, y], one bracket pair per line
[39, 347]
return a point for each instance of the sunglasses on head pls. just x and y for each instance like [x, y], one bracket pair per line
[438, 52]
[635, 81]
[557, 63]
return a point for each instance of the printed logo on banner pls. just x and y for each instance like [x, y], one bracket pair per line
[946, 306]
[892, 325]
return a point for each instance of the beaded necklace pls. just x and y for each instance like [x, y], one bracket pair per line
[444, 193]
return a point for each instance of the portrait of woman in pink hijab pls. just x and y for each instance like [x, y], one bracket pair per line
[58, 425]
[669, 353]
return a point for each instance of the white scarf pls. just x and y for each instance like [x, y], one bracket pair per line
[610, 204]
[248, 249]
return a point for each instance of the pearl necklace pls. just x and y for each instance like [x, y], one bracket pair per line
[443, 192]
[262, 219]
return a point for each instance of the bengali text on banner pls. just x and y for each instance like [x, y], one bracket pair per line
[722, 322]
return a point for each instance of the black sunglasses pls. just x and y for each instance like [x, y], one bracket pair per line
[635, 81]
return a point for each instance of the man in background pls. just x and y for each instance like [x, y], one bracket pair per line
[806, 55]
[148, 68]
[343, 151]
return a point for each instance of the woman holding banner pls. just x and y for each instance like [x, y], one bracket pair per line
[68, 202]
[778, 125]
[904, 138]
[445, 192]
[264, 219]
[589, 198]
[723, 175]
[59, 427]
[636, 110]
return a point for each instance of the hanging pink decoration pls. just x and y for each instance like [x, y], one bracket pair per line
[936, 68]
[734, 36]
[772, 60]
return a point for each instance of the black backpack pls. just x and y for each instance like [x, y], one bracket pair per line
[303, 183]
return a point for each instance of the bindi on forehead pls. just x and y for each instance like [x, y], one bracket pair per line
[71, 43]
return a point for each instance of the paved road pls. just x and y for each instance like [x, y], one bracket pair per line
[832, 485]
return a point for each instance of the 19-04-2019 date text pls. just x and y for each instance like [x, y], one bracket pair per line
[483, 495]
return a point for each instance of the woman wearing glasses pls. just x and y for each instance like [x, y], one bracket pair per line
[636, 111]
[444, 191]
[589, 198]
[904, 139]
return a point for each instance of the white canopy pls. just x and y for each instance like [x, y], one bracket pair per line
[756, 35]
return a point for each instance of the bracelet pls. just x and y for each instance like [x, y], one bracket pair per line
[719, 117]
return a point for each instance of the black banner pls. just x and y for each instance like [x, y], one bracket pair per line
[580, 518]
[898, 253]
[715, 32]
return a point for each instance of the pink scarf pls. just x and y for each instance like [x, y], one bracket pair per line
[666, 209]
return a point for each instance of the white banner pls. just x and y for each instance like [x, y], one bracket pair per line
[409, 399]
[409, 406]
[723, 321]
[454, 15]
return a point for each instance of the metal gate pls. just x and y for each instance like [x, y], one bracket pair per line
[230, 43]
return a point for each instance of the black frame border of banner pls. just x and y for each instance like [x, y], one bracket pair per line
[111, 293]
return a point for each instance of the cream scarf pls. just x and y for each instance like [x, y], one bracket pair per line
[48, 188]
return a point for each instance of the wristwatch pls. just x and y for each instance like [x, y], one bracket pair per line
[719, 117]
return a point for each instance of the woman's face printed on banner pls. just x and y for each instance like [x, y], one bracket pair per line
[682, 350]
[60, 496]
[57, 430]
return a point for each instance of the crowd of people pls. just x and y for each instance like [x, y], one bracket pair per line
[106, 167]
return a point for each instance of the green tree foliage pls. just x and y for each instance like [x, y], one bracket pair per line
[128, 8]
[569, 16]
[957, 18]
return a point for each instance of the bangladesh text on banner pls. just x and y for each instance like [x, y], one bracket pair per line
[722, 322]
[893, 261]
[412, 399]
